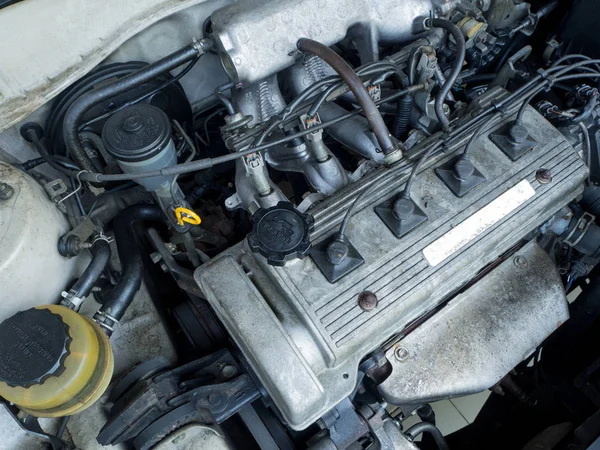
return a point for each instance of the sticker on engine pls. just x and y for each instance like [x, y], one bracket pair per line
[489, 215]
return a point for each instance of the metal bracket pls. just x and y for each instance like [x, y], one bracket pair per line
[509, 70]
[30, 425]
[55, 189]
[208, 390]
[579, 230]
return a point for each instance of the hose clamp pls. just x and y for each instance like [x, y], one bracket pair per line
[102, 318]
[71, 300]
[548, 78]
[202, 46]
[102, 237]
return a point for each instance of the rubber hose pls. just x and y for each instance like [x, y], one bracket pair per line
[402, 119]
[588, 109]
[458, 63]
[33, 135]
[432, 430]
[101, 255]
[120, 297]
[355, 84]
[85, 102]
[110, 204]
[591, 200]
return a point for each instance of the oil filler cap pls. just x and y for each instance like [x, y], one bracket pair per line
[281, 233]
[33, 346]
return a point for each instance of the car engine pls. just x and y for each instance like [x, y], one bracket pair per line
[281, 224]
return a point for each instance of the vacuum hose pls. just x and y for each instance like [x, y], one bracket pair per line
[432, 430]
[101, 255]
[120, 297]
[458, 63]
[356, 86]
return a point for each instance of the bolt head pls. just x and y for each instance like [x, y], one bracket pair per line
[521, 262]
[228, 372]
[403, 208]
[543, 176]
[6, 191]
[367, 301]
[214, 398]
[337, 251]
[401, 354]
[517, 133]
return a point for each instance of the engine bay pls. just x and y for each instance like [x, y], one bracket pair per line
[281, 224]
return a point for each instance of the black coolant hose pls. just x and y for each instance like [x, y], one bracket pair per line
[85, 102]
[101, 255]
[432, 430]
[357, 87]
[120, 296]
[458, 63]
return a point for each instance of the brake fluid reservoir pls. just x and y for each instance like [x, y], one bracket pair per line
[139, 138]
[53, 361]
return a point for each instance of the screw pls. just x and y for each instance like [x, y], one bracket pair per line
[214, 399]
[6, 191]
[367, 301]
[543, 176]
[521, 262]
[401, 354]
[228, 372]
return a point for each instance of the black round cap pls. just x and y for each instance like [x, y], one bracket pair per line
[403, 208]
[463, 168]
[280, 233]
[33, 347]
[137, 133]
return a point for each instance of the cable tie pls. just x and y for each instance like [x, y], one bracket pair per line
[548, 77]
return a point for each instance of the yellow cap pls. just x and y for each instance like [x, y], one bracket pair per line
[54, 361]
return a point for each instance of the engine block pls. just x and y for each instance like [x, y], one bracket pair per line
[305, 336]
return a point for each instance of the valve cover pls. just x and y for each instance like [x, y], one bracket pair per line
[305, 336]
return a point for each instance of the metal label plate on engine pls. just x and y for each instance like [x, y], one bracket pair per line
[439, 250]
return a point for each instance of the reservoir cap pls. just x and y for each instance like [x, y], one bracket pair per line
[33, 346]
[137, 133]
